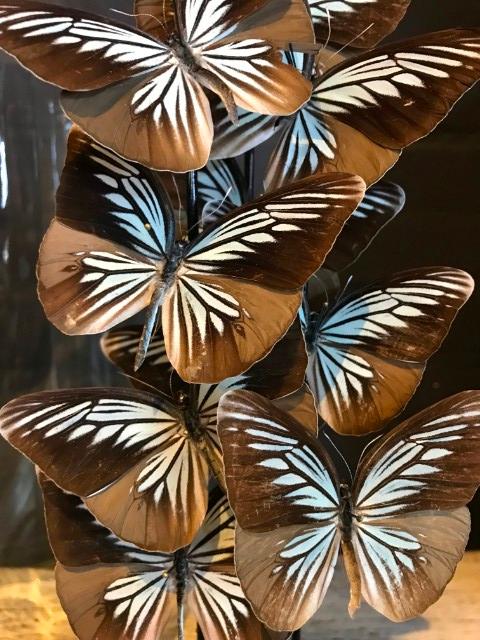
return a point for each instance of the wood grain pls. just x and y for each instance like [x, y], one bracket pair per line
[29, 610]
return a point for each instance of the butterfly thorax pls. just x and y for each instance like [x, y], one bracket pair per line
[173, 264]
[313, 335]
[184, 54]
[346, 512]
[180, 564]
[191, 416]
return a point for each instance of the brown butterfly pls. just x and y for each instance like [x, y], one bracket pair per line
[368, 348]
[142, 93]
[364, 110]
[142, 461]
[401, 522]
[111, 589]
[226, 298]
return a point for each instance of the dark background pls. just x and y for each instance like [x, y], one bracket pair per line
[439, 226]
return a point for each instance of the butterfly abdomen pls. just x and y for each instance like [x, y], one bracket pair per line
[181, 575]
[346, 513]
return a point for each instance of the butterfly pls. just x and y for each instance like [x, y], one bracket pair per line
[356, 23]
[142, 458]
[111, 252]
[112, 589]
[364, 110]
[142, 93]
[368, 349]
[401, 522]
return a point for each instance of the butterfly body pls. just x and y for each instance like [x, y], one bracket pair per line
[345, 518]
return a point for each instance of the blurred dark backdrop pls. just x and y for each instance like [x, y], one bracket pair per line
[440, 226]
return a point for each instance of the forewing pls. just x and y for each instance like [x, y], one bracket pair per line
[73, 49]
[104, 194]
[370, 351]
[279, 240]
[281, 22]
[277, 474]
[397, 94]
[257, 77]
[161, 120]
[382, 202]
[316, 143]
[87, 284]
[217, 327]
[359, 23]
[405, 562]
[428, 462]
[108, 588]
[126, 453]
[120, 346]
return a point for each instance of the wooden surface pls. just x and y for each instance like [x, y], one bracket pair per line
[29, 610]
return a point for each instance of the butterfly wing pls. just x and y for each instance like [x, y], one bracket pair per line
[120, 347]
[73, 49]
[214, 319]
[400, 92]
[369, 353]
[87, 284]
[104, 194]
[160, 120]
[103, 255]
[314, 142]
[361, 23]
[232, 140]
[382, 202]
[108, 588]
[410, 522]
[366, 109]
[283, 490]
[407, 561]
[281, 22]
[125, 452]
[215, 594]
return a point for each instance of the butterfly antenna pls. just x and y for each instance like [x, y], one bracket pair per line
[359, 35]
[340, 455]
[340, 294]
[209, 215]
[324, 287]
[179, 201]
[140, 15]
[329, 18]
[134, 379]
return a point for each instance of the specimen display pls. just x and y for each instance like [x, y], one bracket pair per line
[210, 498]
